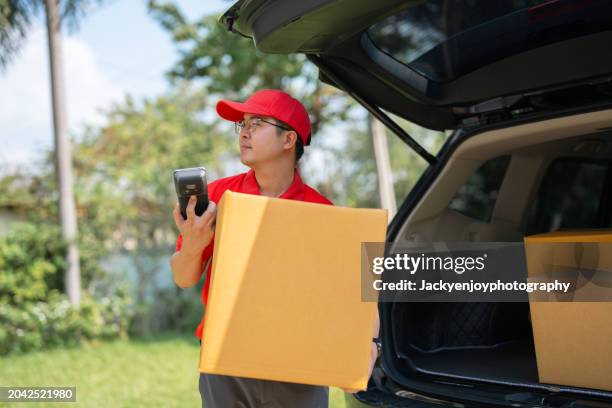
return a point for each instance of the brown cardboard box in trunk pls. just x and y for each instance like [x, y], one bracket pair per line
[285, 295]
[573, 339]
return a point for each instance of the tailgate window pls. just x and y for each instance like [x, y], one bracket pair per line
[445, 39]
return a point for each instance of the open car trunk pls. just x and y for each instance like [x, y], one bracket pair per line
[498, 185]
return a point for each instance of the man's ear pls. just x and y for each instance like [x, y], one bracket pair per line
[290, 139]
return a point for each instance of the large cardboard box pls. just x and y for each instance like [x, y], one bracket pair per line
[573, 338]
[285, 296]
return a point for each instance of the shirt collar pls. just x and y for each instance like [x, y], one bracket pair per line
[294, 192]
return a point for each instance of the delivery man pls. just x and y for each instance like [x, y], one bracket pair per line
[272, 129]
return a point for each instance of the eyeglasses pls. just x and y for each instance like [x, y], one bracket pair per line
[252, 125]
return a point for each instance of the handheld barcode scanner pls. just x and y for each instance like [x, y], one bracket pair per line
[188, 182]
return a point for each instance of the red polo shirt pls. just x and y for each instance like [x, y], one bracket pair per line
[246, 183]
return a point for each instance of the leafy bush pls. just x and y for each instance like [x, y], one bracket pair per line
[31, 263]
[55, 322]
[34, 313]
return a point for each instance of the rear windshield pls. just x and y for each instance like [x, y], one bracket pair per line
[444, 39]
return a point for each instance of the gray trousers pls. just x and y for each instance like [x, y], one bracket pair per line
[221, 391]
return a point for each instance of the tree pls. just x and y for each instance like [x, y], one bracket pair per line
[68, 218]
[16, 17]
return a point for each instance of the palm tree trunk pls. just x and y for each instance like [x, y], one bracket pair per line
[383, 165]
[63, 154]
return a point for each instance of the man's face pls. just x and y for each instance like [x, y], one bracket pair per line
[262, 143]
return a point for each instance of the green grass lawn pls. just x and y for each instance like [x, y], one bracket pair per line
[161, 372]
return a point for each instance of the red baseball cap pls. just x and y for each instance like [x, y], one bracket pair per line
[273, 103]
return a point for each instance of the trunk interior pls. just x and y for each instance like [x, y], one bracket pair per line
[504, 184]
[481, 341]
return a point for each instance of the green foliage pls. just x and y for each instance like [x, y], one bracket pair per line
[31, 195]
[55, 322]
[34, 314]
[31, 263]
[224, 57]
[15, 20]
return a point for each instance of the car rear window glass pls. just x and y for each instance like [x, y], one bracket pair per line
[572, 194]
[476, 198]
[444, 39]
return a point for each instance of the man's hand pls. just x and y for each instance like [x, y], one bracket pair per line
[197, 231]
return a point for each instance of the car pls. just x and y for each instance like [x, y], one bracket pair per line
[525, 87]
